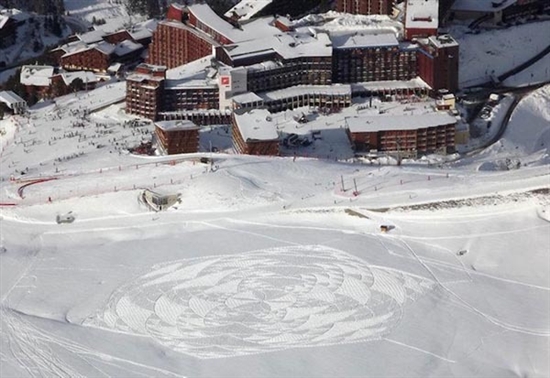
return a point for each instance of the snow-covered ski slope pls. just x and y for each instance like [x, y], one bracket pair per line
[268, 266]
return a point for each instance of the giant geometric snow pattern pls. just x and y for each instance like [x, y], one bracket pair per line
[262, 301]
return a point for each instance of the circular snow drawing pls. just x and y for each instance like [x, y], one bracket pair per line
[262, 301]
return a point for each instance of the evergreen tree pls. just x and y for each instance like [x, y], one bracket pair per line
[57, 28]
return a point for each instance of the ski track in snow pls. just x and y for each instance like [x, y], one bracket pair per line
[468, 306]
[31, 348]
[267, 300]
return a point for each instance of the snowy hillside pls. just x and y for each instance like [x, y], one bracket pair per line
[527, 138]
[113, 12]
[496, 52]
[268, 266]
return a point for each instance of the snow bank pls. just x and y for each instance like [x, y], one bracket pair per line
[527, 136]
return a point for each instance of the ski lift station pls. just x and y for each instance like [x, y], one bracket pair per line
[159, 201]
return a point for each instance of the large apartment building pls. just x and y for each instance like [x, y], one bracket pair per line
[282, 60]
[270, 53]
[409, 136]
[174, 44]
[363, 57]
[438, 62]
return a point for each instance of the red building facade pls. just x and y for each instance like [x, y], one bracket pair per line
[364, 64]
[175, 44]
[144, 91]
[92, 59]
[410, 141]
[148, 94]
[119, 36]
[365, 6]
[438, 59]
[177, 137]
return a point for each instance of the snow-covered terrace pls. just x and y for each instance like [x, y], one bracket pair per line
[423, 14]
[390, 85]
[443, 41]
[302, 90]
[256, 125]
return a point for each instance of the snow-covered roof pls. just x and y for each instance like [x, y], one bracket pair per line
[302, 90]
[127, 47]
[36, 75]
[141, 33]
[198, 73]
[422, 14]
[15, 14]
[72, 46]
[246, 98]
[85, 76]
[176, 125]
[338, 23]
[176, 24]
[10, 98]
[373, 123]
[207, 16]
[445, 40]
[363, 39]
[103, 47]
[288, 45]
[247, 9]
[256, 29]
[482, 5]
[150, 24]
[115, 67]
[256, 125]
[3, 20]
[92, 36]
